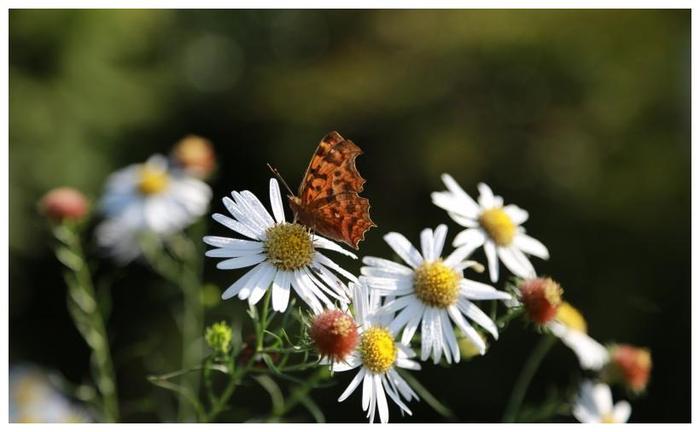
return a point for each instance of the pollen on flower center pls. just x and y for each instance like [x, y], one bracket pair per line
[498, 225]
[289, 246]
[571, 317]
[436, 284]
[608, 418]
[152, 180]
[377, 350]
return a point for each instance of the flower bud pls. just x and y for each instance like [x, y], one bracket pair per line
[334, 334]
[195, 155]
[629, 365]
[218, 337]
[541, 298]
[64, 203]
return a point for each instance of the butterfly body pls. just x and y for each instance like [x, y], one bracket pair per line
[328, 200]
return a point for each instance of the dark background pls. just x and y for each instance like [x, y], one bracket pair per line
[580, 117]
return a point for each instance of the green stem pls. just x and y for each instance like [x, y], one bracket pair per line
[192, 328]
[238, 373]
[526, 374]
[87, 315]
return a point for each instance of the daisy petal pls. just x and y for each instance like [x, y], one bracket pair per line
[323, 243]
[239, 262]
[478, 316]
[516, 214]
[280, 290]
[240, 283]
[353, 385]
[426, 242]
[516, 262]
[466, 328]
[276, 201]
[622, 411]
[478, 291]
[492, 259]
[486, 198]
[404, 249]
[381, 399]
[235, 226]
[530, 246]
[386, 265]
[439, 240]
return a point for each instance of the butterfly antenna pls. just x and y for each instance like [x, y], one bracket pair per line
[279, 176]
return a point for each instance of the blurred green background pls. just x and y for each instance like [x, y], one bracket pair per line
[580, 117]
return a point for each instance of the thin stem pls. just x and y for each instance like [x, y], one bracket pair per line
[526, 374]
[86, 312]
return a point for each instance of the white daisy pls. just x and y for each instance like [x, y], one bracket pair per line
[377, 355]
[594, 404]
[149, 197]
[283, 254]
[492, 225]
[570, 326]
[34, 399]
[431, 292]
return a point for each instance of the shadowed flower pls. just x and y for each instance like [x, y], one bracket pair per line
[33, 399]
[630, 366]
[492, 225]
[148, 198]
[541, 298]
[282, 254]
[433, 293]
[377, 355]
[64, 203]
[594, 404]
[570, 326]
[195, 155]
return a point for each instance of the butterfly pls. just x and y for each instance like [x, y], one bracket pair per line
[328, 200]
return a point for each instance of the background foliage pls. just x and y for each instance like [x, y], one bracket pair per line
[581, 117]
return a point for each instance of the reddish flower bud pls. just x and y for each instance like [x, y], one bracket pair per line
[541, 298]
[334, 334]
[629, 365]
[195, 155]
[64, 203]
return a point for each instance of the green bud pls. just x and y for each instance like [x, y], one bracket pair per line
[218, 337]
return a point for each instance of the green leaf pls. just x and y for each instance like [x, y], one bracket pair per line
[274, 391]
[69, 258]
[313, 409]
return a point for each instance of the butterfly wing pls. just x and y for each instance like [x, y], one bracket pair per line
[343, 217]
[332, 170]
[328, 200]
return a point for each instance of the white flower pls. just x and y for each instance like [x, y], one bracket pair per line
[377, 355]
[594, 404]
[431, 292]
[33, 399]
[283, 254]
[570, 327]
[149, 197]
[491, 225]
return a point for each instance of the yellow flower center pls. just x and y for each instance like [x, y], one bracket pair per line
[152, 180]
[436, 284]
[498, 225]
[571, 317]
[378, 350]
[289, 246]
[608, 418]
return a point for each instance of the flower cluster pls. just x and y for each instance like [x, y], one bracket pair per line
[427, 297]
[372, 322]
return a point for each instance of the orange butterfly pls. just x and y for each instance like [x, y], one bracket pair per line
[328, 200]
